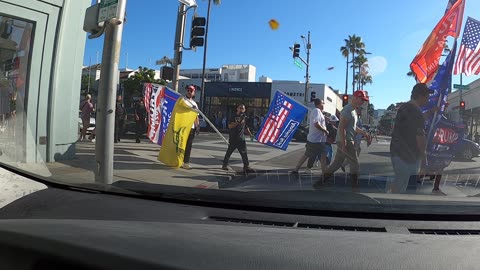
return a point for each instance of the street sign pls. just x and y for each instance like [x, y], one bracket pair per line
[297, 63]
[459, 86]
[108, 10]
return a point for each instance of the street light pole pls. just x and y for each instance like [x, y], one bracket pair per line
[307, 75]
[205, 56]
[178, 45]
[105, 124]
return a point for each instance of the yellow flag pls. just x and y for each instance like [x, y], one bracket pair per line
[175, 141]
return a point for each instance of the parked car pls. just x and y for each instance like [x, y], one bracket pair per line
[301, 133]
[467, 149]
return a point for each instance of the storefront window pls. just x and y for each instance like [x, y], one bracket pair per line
[15, 44]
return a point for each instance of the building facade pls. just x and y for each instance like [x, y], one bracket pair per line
[471, 114]
[41, 52]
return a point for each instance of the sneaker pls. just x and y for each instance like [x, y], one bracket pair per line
[248, 170]
[225, 167]
[186, 166]
[309, 171]
[93, 140]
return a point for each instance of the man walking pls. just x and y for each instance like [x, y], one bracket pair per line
[140, 119]
[86, 108]
[189, 95]
[408, 144]
[237, 126]
[316, 139]
[120, 117]
[347, 129]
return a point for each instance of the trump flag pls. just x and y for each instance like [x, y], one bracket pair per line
[159, 102]
[284, 116]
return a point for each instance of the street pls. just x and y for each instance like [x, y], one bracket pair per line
[138, 162]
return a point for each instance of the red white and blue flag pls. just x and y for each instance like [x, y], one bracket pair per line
[159, 103]
[468, 60]
[284, 116]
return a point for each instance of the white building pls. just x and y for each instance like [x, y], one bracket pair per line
[239, 73]
[296, 90]
[471, 97]
[227, 73]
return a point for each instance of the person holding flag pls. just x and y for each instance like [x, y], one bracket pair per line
[189, 94]
[316, 139]
[238, 127]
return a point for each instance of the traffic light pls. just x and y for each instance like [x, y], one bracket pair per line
[197, 32]
[166, 73]
[462, 104]
[345, 100]
[296, 50]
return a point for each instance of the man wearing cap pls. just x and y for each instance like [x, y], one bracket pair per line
[347, 129]
[408, 144]
[189, 95]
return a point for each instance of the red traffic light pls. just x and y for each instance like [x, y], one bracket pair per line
[462, 104]
[345, 97]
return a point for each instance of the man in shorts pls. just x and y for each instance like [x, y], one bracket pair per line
[316, 139]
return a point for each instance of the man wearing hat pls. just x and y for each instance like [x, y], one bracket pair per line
[189, 95]
[347, 129]
[408, 144]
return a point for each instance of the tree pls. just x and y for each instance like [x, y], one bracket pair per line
[87, 84]
[391, 107]
[355, 45]
[346, 53]
[133, 86]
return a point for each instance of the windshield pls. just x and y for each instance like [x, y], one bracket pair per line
[370, 105]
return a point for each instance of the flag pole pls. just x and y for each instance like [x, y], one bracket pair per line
[208, 121]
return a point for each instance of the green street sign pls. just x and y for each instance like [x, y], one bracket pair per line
[459, 86]
[108, 10]
[298, 64]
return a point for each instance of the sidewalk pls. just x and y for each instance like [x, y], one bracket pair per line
[136, 162]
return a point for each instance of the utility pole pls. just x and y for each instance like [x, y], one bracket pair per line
[106, 96]
[178, 45]
[307, 75]
[205, 56]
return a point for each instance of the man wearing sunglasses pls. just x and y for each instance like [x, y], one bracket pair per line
[189, 95]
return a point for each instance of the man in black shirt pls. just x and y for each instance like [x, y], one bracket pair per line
[237, 126]
[140, 119]
[120, 117]
[408, 144]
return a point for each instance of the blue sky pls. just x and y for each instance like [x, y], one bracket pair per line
[393, 31]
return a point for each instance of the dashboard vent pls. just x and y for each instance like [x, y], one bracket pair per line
[342, 228]
[445, 232]
[298, 225]
[253, 222]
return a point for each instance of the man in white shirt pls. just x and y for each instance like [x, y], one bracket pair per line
[316, 139]
[189, 94]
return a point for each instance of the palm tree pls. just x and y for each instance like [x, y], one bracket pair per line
[360, 62]
[215, 2]
[355, 46]
[345, 52]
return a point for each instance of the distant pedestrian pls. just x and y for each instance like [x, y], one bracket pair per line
[347, 129]
[237, 124]
[140, 119]
[316, 139]
[408, 144]
[224, 122]
[189, 95]
[120, 117]
[86, 108]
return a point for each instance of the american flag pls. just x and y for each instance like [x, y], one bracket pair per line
[468, 60]
[275, 120]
